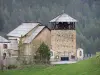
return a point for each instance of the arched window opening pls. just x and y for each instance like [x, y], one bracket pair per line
[5, 46]
[80, 53]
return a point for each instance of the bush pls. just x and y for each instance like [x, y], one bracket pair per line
[43, 54]
[98, 57]
[12, 67]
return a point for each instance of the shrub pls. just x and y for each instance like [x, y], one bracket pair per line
[43, 54]
[98, 57]
[12, 67]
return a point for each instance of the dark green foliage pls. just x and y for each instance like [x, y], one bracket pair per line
[43, 53]
[21, 58]
[20, 47]
[12, 67]
[15, 12]
[1, 21]
[98, 57]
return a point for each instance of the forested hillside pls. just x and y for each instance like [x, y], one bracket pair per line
[87, 12]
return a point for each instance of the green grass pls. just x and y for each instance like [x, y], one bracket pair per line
[86, 67]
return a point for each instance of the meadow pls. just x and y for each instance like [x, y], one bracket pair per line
[85, 67]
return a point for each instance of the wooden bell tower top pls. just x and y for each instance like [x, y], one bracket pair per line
[63, 22]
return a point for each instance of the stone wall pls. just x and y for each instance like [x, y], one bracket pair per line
[63, 43]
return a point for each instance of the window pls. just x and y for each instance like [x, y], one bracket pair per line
[72, 57]
[5, 46]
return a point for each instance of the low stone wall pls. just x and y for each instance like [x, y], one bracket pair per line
[13, 60]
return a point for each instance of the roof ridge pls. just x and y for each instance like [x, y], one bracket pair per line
[59, 16]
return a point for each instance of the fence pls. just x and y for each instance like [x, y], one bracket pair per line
[87, 56]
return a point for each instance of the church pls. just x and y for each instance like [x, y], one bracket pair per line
[61, 38]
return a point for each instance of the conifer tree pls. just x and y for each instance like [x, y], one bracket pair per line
[44, 53]
[20, 50]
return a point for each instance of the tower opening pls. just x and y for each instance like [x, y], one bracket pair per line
[64, 26]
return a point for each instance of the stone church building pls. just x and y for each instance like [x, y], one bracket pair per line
[32, 35]
[61, 38]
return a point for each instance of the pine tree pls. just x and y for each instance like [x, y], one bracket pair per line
[44, 53]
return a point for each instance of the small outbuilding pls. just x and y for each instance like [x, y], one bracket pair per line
[80, 54]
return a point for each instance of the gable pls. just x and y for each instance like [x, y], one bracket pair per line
[34, 34]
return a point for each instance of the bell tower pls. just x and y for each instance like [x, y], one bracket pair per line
[63, 37]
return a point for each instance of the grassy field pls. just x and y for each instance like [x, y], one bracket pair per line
[86, 67]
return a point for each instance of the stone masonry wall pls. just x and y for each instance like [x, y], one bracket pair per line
[63, 42]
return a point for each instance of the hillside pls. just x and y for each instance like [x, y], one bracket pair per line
[85, 67]
[15, 12]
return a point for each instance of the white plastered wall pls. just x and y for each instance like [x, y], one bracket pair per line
[80, 56]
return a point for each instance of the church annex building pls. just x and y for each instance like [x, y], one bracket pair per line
[61, 38]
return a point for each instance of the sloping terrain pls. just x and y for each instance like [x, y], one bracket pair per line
[85, 67]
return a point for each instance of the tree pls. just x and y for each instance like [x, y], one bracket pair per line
[43, 53]
[14, 12]
[20, 51]
[98, 57]
[1, 21]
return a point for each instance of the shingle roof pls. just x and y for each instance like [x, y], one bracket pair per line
[3, 40]
[34, 34]
[23, 29]
[63, 18]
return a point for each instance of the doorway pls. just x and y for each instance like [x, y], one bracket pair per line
[64, 58]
